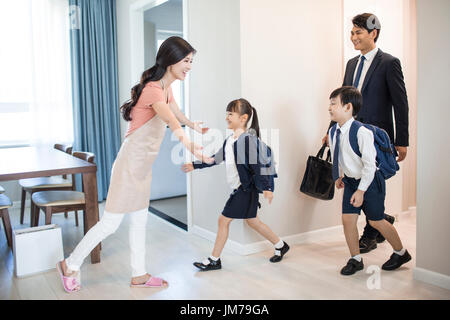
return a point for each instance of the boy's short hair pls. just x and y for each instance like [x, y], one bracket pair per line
[368, 21]
[349, 94]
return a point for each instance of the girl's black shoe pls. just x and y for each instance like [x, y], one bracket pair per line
[352, 266]
[283, 250]
[213, 265]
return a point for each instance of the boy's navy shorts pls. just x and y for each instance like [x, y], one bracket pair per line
[373, 204]
[242, 204]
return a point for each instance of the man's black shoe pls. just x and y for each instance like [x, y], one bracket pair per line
[283, 250]
[352, 266]
[396, 261]
[366, 244]
[212, 265]
[389, 219]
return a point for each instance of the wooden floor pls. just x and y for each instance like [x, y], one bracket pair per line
[308, 271]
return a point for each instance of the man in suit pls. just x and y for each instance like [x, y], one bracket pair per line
[378, 76]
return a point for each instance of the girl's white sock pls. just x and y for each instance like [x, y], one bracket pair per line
[357, 258]
[401, 252]
[279, 244]
[206, 261]
[278, 247]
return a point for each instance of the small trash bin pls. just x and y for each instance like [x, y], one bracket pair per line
[37, 249]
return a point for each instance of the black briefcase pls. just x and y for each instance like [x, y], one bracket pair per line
[318, 179]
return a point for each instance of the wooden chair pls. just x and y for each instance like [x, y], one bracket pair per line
[57, 201]
[46, 183]
[6, 203]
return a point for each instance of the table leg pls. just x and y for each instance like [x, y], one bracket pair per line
[91, 212]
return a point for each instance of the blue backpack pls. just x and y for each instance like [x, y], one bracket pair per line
[264, 157]
[386, 153]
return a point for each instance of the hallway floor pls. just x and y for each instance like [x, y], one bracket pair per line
[308, 271]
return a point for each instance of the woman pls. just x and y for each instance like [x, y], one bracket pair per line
[149, 110]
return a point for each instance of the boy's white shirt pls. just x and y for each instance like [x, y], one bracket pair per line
[350, 164]
[232, 174]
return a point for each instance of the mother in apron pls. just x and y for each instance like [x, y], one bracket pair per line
[149, 110]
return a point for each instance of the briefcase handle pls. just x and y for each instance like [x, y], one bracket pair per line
[322, 150]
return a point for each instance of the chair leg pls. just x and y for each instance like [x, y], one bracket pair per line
[36, 213]
[7, 226]
[48, 215]
[76, 218]
[32, 213]
[22, 205]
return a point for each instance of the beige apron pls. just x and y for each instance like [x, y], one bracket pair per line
[131, 176]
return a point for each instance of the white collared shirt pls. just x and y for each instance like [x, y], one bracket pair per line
[232, 174]
[350, 164]
[369, 58]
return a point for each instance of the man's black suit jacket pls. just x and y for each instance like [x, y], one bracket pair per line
[383, 91]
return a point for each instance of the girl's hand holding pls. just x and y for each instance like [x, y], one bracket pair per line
[339, 183]
[268, 195]
[187, 167]
[200, 129]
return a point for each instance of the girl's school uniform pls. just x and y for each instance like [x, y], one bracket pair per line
[244, 175]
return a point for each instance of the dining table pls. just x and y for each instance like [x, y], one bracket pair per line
[31, 162]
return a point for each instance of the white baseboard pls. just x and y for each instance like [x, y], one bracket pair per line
[431, 277]
[246, 249]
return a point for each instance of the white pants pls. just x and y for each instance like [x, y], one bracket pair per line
[107, 225]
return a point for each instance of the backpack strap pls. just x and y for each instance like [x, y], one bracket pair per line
[353, 137]
[332, 131]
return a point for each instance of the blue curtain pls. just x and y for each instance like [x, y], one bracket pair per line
[95, 84]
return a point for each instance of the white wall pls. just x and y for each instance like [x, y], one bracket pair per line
[291, 61]
[433, 172]
[213, 28]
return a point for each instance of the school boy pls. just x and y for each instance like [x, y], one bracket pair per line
[364, 186]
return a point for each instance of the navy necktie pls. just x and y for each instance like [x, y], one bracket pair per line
[336, 155]
[358, 73]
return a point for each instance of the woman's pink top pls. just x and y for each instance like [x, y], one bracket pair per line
[143, 110]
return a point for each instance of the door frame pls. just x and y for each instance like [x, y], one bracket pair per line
[136, 14]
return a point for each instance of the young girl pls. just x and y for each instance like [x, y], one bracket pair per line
[245, 178]
[150, 109]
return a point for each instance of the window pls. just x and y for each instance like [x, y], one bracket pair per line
[35, 86]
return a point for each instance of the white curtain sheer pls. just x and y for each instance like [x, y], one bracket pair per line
[35, 81]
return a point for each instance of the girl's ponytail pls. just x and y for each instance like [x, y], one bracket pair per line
[255, 123]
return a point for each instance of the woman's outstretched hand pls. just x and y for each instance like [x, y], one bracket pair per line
[199, 129]
[195, 149]
[187, 167]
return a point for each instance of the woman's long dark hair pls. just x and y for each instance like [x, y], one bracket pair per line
[244, 107]
[172, 50]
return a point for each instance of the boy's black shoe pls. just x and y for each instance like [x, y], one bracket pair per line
[213, 265]
[389, 219]
[283, 250]
[352, 266]
[366, 244]
[396, 261]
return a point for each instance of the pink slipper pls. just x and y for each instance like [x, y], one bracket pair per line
[153, 282]
[70, 284]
